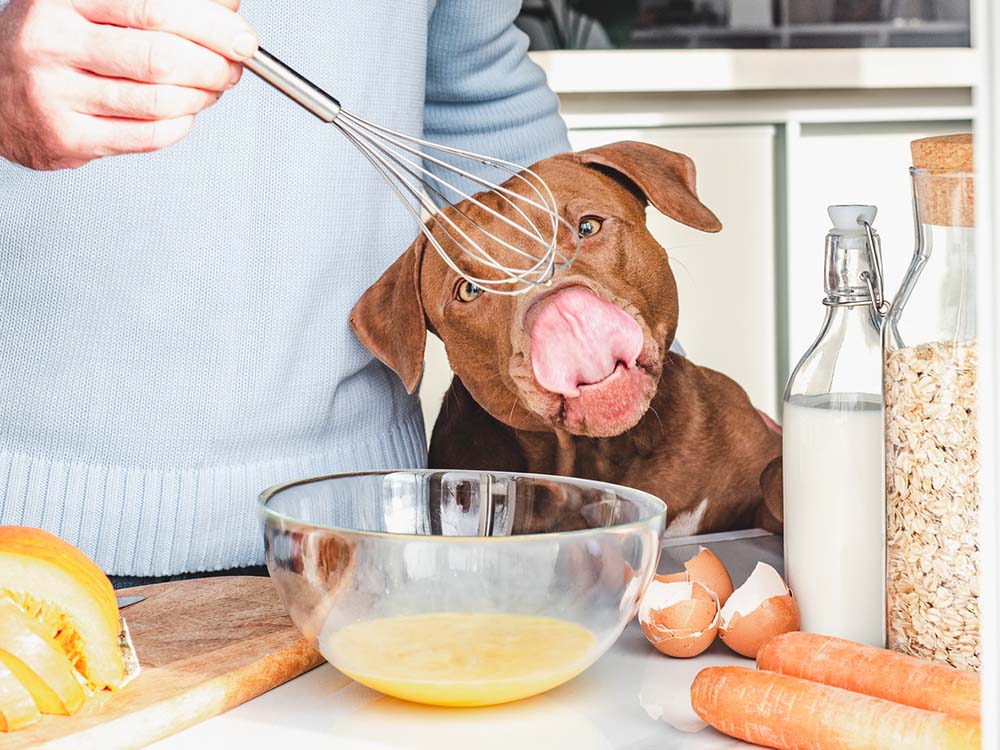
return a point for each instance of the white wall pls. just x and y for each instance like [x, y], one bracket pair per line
[987, 35]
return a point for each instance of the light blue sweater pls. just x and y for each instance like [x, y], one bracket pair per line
[173, 326]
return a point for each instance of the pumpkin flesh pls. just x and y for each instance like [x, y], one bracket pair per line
[38, 663]
[17, 707]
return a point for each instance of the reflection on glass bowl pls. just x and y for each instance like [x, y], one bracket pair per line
[458, 587]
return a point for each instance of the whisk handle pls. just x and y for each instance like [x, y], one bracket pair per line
[293, 85]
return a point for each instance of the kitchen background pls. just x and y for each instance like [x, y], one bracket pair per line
[786, 106]
[744, 24]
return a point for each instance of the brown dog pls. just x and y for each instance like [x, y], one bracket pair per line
[577, 378]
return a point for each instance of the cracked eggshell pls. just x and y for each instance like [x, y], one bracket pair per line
[681, 577]
[706, 569]
[761, 608]
[679, 618]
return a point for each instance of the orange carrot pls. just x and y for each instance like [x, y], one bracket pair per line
[790, 713]
[873, 671]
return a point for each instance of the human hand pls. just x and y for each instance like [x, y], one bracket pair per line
[82, 79]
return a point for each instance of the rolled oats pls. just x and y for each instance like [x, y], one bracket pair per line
[932, 503]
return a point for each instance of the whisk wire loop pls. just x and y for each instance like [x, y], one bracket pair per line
[535, 233]
[545, 201]
[392, 177]
[403, 162]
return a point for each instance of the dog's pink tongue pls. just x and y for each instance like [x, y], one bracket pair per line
[578, 339]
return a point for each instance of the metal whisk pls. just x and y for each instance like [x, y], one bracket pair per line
[402, 161]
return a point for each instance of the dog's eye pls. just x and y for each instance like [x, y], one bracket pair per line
[589, 226]
[467, 291]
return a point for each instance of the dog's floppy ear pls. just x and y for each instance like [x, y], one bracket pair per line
[665, 177]
[389, 317]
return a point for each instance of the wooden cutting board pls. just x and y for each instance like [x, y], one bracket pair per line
[205, 645]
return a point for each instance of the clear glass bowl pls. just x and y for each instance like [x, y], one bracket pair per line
[460, 587]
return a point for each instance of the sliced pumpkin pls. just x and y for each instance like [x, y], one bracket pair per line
[68, 596]
[17, 707]
[37, 662]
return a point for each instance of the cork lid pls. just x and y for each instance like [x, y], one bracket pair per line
[947, 153]
[945, 188]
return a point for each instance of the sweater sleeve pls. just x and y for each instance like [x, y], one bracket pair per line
[483, 92]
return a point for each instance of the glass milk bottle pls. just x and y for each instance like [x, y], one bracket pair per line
[931, 441]
[832, 445]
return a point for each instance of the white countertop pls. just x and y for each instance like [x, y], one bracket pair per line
[617, 703]
[626, 70]
[633, 697]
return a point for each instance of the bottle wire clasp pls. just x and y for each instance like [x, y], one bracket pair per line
[875, 280]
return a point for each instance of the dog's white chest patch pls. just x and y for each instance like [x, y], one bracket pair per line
[688, 522]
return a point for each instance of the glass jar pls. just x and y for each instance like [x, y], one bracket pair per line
[832, 446]
[931, 447]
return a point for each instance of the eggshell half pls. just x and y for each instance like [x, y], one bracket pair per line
[761, 608]
[746, 635]
[679, 618]
[681, 577]
[706, 569]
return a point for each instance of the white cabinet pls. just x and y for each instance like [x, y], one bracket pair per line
[437, 377]
[845, 163]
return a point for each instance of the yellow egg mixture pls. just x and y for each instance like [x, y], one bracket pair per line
[460, 658]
